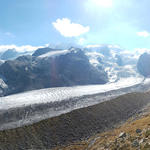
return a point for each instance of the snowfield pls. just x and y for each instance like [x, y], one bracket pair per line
[55, 53]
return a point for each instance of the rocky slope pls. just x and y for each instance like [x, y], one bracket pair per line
[132, 135]
[74, 126]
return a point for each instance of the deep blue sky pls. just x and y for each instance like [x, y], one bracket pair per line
[31, 22]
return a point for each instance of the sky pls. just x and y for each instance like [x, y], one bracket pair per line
[40, 22]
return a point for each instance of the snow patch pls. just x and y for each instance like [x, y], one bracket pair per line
[55, 53]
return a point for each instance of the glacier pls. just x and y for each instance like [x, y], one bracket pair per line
[29, 107]
[62, 93]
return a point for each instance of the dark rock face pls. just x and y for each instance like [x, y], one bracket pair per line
[41, 51]
[143, 65]
[76, 66]
[9, 54]
[29, 72]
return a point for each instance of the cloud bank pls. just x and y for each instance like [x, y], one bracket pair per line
[24, 48]
[68, 28]
[143, 34]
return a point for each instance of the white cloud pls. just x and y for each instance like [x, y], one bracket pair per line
[141, 50]
[24, 48]
[81, 41]
[9, 34]
[93, 46]
[143, 34]
[114, 46]
[68, 28]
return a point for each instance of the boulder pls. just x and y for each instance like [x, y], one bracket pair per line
[122, 135]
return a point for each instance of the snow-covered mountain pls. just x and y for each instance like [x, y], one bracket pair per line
[117, 62]
[49, 67]
[55, 68]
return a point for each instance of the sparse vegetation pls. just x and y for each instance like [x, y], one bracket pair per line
[112, 140]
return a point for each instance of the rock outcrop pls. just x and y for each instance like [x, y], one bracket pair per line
[143, 65]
